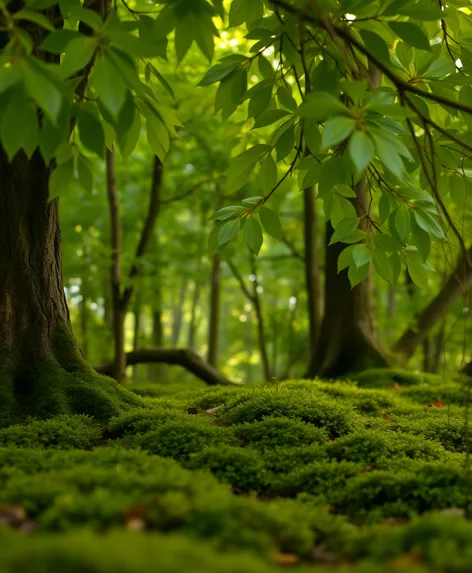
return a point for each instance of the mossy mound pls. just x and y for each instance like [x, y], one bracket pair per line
[304, 473]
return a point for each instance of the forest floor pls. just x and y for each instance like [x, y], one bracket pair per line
[357, 477]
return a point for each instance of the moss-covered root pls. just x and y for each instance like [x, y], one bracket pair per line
[47, 390]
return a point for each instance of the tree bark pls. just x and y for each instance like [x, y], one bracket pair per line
[261, 336]
[312, 269]
[214, 315]
[178, 313]
[193, 324]
[175, 356]
[42, 371]
[458, 283]
[118, 312]
[137, 329]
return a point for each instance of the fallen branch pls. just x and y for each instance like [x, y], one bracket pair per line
[174, 356]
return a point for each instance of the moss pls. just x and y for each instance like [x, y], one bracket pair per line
[320, 411]
[370, 446]
[179, 439]
[142, 420]
[62, 432]
[272, 432]
[46, 390]
[387, 377]
[121, 552]
[402, 488]
[242, 468]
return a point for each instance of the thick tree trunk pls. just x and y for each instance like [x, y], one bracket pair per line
[312, 268]
[42, 371]
[348, 340]
[459, 282]
[179, 313]
[214, 317]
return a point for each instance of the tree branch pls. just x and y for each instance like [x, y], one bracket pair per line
[174, 356]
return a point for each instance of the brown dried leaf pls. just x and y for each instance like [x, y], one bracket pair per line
[286, 559]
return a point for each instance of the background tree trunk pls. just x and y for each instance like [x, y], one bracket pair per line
[214, 314]
[119, 314]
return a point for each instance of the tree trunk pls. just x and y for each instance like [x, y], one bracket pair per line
[193, 324]
[119, 372]
[348, 340]
[312, 269]
[137, 329]
[457, 284]
[178, 314]
[427, 354]
[156, 371]
[261, 336]
[42, 371]
[438, 351]
[214, 317]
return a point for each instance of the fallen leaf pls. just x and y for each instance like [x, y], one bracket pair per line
[286, 559]
[321, 555]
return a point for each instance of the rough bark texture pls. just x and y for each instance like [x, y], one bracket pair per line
[42, 371]
[175, 356]
[459, 282]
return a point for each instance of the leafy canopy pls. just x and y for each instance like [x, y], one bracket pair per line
[369, 101]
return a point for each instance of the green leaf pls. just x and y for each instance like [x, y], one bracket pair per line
[320, 105]
[158, 137]
[336, 130]
[60, 179]
[428, 223]
[417, 272]
[421, 239]
[269, 117]
[109, 85]
[259, 101]
[312, 136]
[344, 230]
[357, 274]
[402, 222]
[422, 10]
[439, 68]
[228, 231]
[361, 255]
[383, 266]
[265, 67]
[217, 73]
[388, 154]
[376, 44]
[9, 75]
[238, 85]
[78, 53]
[345, 258]
[57, 41]
[385, 242]
[19, 127]
[91, 133]
[40, 87]
[345, 190]
[253, 235]
[268, 174]
[286, 99]
[242, 166]
[35, 17]
[384, 208]
[128, 141]
[252, 200]
[85, 173]
[411, 34]
[285, 143]
[213, 239]
[230, 212]
[52, 136]
[361, 150]
[270, 222]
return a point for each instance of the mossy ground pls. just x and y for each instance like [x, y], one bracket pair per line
[366, 477]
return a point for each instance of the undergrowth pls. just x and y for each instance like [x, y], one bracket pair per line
[365, 474]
